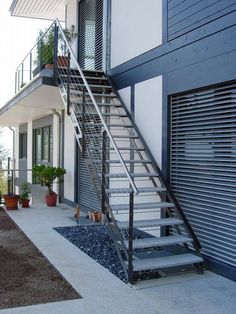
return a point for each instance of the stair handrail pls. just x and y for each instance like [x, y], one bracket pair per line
[97, 109]
[163, 180]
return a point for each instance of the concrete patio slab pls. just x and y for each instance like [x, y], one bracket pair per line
[104, 293]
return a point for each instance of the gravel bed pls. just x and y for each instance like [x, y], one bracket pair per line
[96, 241]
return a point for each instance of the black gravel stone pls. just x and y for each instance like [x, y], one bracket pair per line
[97, 242]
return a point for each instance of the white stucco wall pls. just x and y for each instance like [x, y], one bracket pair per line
[69, 160]
[148, 114]
[125, 94]
[29, 150]
[136, 27]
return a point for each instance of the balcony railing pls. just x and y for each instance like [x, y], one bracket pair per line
[41, 56]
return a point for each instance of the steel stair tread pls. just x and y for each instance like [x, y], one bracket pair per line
[91, 86]
[99, 104]
[118, 115]
[133, 175]
[166, 262]
[125, 136]
[156, 242]
[140, 190]
[87, 77]
[151, 223]
[131, 161]
[129, 148]
[143, 206]
[114, 125]
[76, 93]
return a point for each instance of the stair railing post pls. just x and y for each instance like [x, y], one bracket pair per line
[103, 183]
[68, 86]
[130, 238]
[83, 123]
[16, 90]
[30, 71]
[22, 75]
[55, 53]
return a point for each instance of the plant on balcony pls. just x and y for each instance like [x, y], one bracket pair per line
[46, 176]
[45, 48]
[25, 194]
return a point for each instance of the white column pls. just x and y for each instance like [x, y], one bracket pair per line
[55, 141]
[29, 150]
[16, 155]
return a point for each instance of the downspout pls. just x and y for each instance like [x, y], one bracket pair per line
[60, 156]
[13, 159]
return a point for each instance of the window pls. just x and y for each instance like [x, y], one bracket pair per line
[23, 145]
[43, 145]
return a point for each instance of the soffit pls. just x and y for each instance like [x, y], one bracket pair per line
[40, 9]
[36, 104]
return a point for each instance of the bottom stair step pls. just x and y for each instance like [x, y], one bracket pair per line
[151, 223]
[156, 242]
[165, 262]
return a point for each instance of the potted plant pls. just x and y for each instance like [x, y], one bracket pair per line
[70, 34]
[25, 194]
[45, 49]
[11, 201]
[46, 176]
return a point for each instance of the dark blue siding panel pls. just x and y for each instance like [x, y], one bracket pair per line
[188, 15]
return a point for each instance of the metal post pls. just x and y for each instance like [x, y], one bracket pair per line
[130, 249]
[103, 201]
[8, 175]
[40, 54]
[12, 182]
[55, 52]
[16, 82]
[68, 86]
[22, 75]
[30, 72]
[83, 125]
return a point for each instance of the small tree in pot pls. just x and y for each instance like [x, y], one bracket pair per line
[25, 194]
[47, 175]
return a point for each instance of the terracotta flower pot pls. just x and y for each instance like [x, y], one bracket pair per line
[49, 66]
[96, 216]
[51, 200]
[62, 61]
[25, 203]
[11, 201]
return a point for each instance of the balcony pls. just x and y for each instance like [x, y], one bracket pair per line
[36, 88]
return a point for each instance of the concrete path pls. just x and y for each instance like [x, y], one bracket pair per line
[104, 293]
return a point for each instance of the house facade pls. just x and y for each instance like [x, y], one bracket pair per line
[172, 64]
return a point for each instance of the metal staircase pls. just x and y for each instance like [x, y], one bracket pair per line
[150, 230]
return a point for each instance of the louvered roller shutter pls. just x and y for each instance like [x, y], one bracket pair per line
[203, 166]
[87, 196]
[91, 34]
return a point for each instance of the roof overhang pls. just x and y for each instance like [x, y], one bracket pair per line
[39, 9]
[34, 101]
